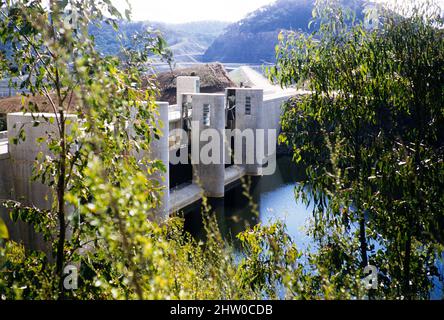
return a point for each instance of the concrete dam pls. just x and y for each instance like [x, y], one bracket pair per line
[184, 182]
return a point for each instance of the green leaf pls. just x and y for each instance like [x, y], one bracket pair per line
[3, 230]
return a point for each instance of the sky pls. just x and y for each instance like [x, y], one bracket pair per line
[178, 11]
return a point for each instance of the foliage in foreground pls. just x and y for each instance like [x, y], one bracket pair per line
[103, 195]
[371, 138]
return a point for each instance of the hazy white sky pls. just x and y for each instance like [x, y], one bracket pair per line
[176, 11]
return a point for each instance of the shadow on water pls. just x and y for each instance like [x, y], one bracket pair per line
[275, 200]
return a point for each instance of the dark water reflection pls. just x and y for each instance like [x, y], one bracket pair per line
[275, 200]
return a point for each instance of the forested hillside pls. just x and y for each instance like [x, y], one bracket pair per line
[259, 30]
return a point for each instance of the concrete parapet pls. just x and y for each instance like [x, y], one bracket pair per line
[182, 197]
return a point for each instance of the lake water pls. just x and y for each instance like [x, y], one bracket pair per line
[275, 200]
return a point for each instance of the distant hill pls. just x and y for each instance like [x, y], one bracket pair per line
[188, 41]
[253, 39]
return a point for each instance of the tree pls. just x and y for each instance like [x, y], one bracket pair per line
[370, 137]
[53, 49]
[101, 219]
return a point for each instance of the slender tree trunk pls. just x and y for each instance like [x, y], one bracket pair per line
[60, 258]
[60, 253]
[363, 240]
[362, 233]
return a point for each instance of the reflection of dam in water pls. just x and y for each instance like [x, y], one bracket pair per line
[274, 199]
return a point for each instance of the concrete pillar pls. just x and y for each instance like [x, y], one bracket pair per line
[271, 124]
[249, 111]
[159, 149]
[186, 85]
[23, 156]
[209, 124]
[25, 152]
[7, 192]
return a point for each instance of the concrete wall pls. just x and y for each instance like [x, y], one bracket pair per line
[22, 158]
[263, 117]
[24, 154]
[270, 120]
[5, 177]
[209, 176]
[159, 149]
[18, 231]
[6, 192]
[186, 85]
[249, 105]
[272, 110]
[17, 162]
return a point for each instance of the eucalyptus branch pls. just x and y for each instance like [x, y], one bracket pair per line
[72, 164]
[54, 107]
[81, 245]
[32, 45]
